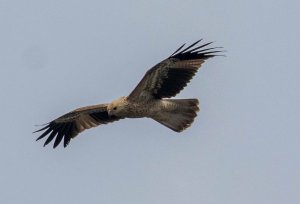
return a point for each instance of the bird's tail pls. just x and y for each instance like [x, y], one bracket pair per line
[178, 114]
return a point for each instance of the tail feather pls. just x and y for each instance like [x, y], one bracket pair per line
[178, 114]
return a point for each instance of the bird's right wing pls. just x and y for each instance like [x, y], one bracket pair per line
[69, 125]
[170, 76]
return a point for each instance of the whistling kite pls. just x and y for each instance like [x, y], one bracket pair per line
[148, 99]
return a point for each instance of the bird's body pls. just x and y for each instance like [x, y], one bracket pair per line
[150, 99]
[165, 111]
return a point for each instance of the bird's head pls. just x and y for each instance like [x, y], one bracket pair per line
[118, 107]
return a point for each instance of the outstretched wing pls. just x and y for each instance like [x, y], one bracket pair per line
[169, 77]
[69, 125]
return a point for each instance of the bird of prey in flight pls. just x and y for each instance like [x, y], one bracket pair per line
[149, 99]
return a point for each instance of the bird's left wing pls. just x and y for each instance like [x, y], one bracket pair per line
[169, 77]
[69, 125]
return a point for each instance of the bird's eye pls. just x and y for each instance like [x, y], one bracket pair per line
[115, 108]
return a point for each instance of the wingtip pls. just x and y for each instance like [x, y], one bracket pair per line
[55, 145]
[46, 125]
[178, 49]
[200, 51]
[66, 144]
[190, 46]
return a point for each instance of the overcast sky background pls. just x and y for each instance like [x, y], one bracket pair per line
[244, 146]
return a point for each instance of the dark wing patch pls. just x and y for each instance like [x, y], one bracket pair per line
[71, 124]
[66, 131]
[177, 79]
[169, 77]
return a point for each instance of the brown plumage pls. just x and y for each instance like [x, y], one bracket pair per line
[149, 99]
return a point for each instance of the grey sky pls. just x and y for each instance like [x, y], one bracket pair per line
[242, 148]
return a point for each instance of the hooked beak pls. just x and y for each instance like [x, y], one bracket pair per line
[109, 113]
